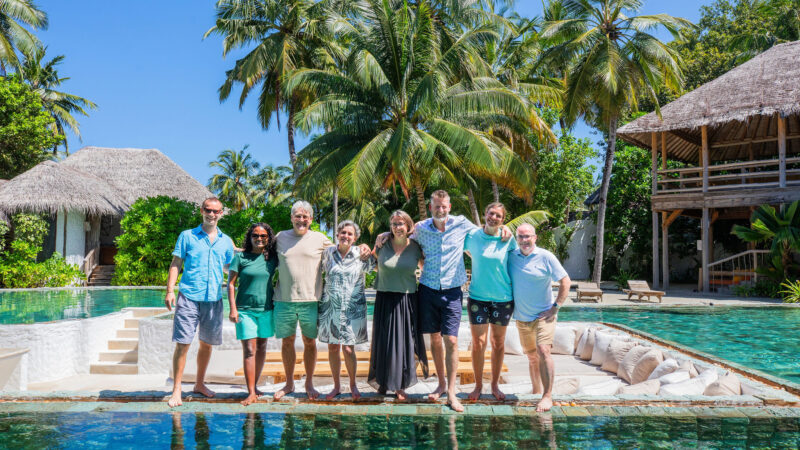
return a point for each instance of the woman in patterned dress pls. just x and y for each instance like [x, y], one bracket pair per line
[343, 307]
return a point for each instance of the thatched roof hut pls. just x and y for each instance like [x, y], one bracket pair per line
[739, 108]
[136, 173]
[50, 187]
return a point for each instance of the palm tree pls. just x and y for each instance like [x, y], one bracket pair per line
[273, 184]
[615, 62]
[285, 34]
[232, 185]
[14, 36]
[399, 114]
[44, 79]
[779, 229]
[756, 40]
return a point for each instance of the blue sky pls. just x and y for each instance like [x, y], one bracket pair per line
[155, 79]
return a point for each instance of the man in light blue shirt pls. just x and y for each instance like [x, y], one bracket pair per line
[532, 272]
[203, 252]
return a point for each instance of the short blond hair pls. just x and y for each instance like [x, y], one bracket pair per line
[440, 194]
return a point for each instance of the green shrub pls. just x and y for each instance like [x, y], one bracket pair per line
[370, 279]
[149, 232]
[791, 291]
[30, 228]
[622, 278]
[278, 217]
[764, 287]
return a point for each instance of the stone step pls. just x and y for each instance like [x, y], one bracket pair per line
[123, 344]
[120, 368]
[127, 356]
[128, 333]
[147, 312]
[132, 323]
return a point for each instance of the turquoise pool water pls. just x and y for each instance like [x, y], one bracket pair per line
[276, 430]
[766, 339]
[49, 305]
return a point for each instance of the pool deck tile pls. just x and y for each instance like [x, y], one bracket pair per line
[405, 409]
[756, 413]
[80, 406]
[576, 411]
[627, 410]
[601, 411]
[502, 410]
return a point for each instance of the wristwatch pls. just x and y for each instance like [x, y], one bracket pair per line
[556, 305]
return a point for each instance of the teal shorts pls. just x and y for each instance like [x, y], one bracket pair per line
[254, 324]
[287, 314]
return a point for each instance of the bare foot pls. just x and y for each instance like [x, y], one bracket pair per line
[544, 404]
[454, 404]
[354, 392]
[498, 394]
[203, 390]
[475, 394]
[401, 395]
[437, 393]
[252, 398]
[312, 393]
[333, 394]
[286, 389]
[175, 400]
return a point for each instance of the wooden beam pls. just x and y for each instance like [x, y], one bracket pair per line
[705, 257]
[663, 150]
[654, 215]
[704, 159]
[653, 161]
[668, 220]
[714, 216]
[665, 252]
[686, 137]
[781, 150]
[753, 141]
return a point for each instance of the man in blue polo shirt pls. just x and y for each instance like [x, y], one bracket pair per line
[204, 252]
[532, 271]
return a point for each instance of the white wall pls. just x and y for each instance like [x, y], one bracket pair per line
[577, 264]
[76, 236]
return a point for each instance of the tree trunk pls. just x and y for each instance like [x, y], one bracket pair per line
[290, 133]
[335, 211]
[495, 191]
[474, 207]
[420, 199]
[566, 213]
[601, 211]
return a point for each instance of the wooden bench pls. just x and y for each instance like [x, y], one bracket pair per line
[588, 291]
[641, 289]
[274, 368]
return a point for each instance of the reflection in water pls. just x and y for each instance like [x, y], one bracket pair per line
[273, 430]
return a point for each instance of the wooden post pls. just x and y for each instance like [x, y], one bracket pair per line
[64, 247]
[704, 224]
[781, 151]
[664, 224]
[654, 165]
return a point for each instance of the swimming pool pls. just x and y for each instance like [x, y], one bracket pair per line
[278, 430]
[45, 305]
[765, 339]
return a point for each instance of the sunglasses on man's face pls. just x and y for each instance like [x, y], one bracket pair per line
[212, 211]
[259, 236]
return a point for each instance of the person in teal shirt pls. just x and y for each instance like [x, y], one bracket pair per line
[490, 303]
[254, 269]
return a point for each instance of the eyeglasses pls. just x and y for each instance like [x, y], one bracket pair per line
[259, 236]
[526, 236]
[212, 211]
[398, 224]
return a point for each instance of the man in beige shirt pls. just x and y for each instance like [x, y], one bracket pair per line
[298, 292]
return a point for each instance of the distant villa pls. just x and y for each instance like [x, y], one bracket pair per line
[87, 194]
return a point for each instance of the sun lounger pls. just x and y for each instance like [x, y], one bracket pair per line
[641, 289]
[588, 291]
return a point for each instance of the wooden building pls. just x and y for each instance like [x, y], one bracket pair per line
[737, 142]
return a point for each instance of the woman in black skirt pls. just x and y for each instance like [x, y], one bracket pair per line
[395, 334]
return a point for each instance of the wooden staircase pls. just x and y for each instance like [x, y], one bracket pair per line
[101, 275]
[736, 269]
[122, 356]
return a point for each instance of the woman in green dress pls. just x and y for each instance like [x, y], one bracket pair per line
[254, 269]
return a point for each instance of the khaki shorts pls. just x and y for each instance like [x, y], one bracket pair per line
[537, 332]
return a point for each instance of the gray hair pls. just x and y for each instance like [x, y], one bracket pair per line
[304, 205]
[527, 225]
[442, 194]
[349, 223]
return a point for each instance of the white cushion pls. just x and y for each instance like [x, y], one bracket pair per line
[667, 366]
[674, 377]
[617, 350]
[749, 389]
[566, 386]
[512, 343]
[689, 367]
[727, 384]
[582, 341]
[608, 387]
[693, 386]
[564, 341]
[649, 387]
[628, 362]
[588, 345]
[579, 329]
[645, 365]
[600, 350]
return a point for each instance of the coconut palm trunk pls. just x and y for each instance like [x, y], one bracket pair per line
[601, 211]
[335, 211]
[495, 191]
[290, 137]
[420, 199]
[476, 217]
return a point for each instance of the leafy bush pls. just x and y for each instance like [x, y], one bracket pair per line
[4, 231]
[30, 228]
[149, 232]
[764, 287]
[791, 291]
[370, 279]
[622, 278]
[236, 224]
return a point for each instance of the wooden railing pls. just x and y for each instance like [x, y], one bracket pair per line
[748, 175]
[735, 269]
[91, 261]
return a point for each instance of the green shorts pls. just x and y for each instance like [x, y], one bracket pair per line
[254, 324]
[287, 314]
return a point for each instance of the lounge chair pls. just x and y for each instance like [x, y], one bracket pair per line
[641, 289]
[589, 291]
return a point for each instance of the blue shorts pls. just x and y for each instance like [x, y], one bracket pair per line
[191, 315]
[440, 310]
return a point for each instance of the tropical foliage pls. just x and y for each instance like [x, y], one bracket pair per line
[241, 182]
[15, 15]
[780, 231]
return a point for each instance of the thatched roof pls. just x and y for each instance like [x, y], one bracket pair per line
[740, 105]
[137, 172]
[3, 216]
[99, 180]
[49, 187]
